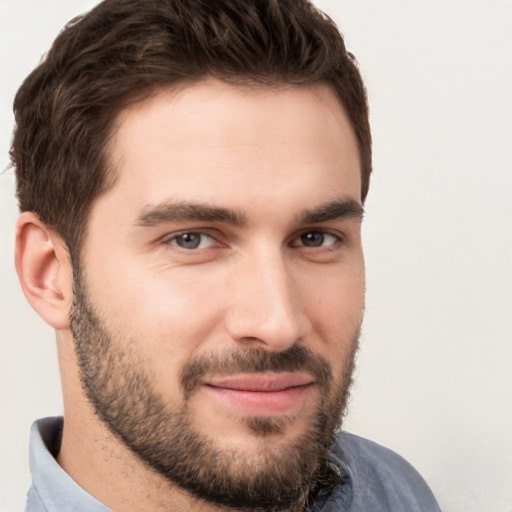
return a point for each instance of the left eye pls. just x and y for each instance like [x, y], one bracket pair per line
[192, 240]
[316, 239]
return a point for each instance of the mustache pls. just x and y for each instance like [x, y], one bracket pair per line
[256, 360]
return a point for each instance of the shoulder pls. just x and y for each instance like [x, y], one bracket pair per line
[380, 478]
[363, 453]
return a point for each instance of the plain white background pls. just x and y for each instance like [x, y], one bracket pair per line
[434, 374]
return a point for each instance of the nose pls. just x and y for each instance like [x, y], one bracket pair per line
[265, 307]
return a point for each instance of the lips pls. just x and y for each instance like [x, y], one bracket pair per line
[263, 382]
[266, 394]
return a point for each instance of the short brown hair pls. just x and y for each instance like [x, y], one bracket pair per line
[124, 50]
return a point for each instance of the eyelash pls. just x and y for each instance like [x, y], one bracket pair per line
[176, 237]
[337, 238]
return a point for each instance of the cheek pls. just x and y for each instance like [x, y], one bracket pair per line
[160, 316]
[335, 298]
[175, 315]
[159, 299]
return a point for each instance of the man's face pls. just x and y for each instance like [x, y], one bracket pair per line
[220, 293]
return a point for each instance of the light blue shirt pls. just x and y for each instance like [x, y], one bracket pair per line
[365, 477]
[53, 490]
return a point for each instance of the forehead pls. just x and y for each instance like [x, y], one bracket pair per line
[212, 139]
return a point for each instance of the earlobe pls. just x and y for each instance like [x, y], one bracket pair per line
[44, 270]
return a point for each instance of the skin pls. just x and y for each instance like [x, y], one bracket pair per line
[273, 156]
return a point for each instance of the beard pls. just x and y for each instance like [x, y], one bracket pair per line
[118, 384]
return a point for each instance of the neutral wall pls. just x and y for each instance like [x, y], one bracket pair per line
[434, 379]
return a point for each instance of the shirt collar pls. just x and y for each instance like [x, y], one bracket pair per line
[57, 490]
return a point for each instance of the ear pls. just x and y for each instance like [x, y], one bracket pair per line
[44, 270]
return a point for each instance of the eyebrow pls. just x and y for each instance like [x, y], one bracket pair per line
[175, 212]
[183, 211]
[335, 210]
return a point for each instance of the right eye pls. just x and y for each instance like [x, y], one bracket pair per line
[192, 240]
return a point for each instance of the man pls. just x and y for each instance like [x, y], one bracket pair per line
[191, 177]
